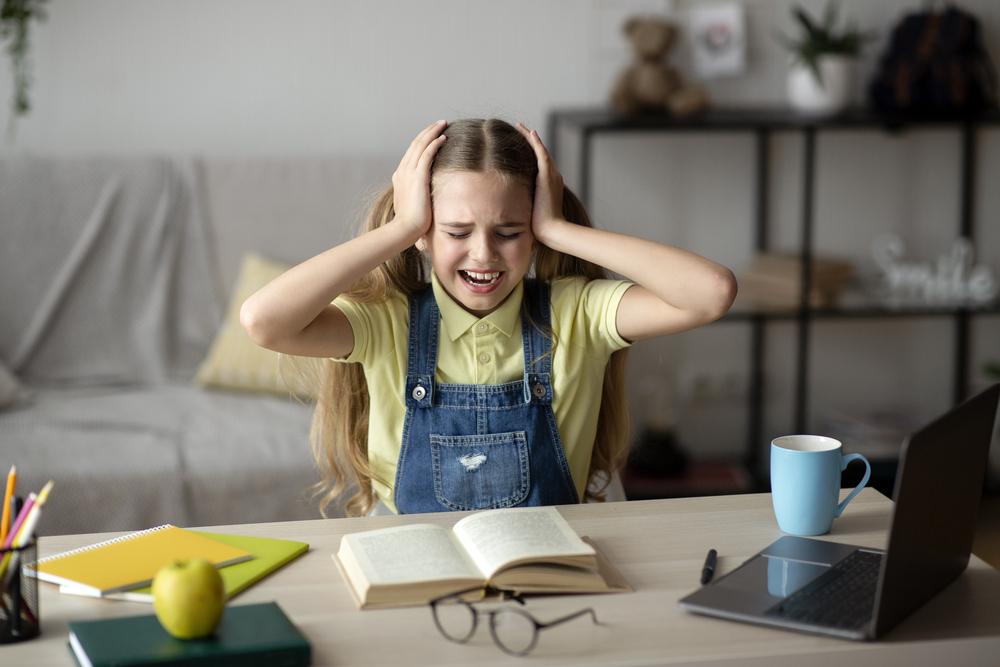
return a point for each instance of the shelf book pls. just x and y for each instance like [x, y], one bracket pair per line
[132, 560]
[248, 635]
[529, 550]
[269, 555]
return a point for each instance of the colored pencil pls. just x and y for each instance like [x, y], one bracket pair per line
[7, 495]
[8, 543]
[19, 521]
[27, 528]
[23, 531]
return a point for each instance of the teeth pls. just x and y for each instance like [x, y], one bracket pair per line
[483, 277]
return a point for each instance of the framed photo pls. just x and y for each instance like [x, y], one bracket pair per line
[718, 39]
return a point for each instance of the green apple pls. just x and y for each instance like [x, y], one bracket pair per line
[189, 598]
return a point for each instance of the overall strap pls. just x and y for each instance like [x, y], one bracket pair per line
[536, 314]
[422, 348]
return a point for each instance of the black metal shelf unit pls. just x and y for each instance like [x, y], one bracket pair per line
[762, 123]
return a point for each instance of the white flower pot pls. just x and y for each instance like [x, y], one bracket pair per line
[828, 96]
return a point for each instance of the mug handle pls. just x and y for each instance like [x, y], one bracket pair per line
[868, 473]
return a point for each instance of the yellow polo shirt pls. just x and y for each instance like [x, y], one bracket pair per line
[488, 350]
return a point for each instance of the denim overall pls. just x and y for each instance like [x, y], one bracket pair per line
[469, 446]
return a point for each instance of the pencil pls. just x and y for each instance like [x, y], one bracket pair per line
[19, 521]
[23, 532]
[27, 529]
[23, 535]
[9, 541]
[8, 494]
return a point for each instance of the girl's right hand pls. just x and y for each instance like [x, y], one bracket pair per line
[411, 182]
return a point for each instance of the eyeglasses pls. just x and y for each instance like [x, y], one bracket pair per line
[514, 630]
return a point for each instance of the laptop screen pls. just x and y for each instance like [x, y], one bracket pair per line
[938, 488]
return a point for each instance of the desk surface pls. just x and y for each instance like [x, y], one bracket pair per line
[659, 545]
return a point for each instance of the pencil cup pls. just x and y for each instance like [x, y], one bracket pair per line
[19, 617]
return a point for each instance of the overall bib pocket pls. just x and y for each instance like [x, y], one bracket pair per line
[473, 472]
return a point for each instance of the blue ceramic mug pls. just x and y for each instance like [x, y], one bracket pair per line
[805, 482]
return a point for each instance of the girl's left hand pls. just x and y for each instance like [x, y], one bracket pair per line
[546, 209]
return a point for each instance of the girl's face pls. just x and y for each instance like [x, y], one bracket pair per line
[480, 244]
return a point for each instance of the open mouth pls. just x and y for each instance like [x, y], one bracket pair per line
[481, 281]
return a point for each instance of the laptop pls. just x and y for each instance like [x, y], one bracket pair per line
[860, 593]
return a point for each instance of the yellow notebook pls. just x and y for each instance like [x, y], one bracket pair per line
[132, 560]
[269, 554]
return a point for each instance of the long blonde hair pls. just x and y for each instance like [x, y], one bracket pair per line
[339, 433]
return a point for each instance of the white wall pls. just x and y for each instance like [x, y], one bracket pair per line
[248, 77]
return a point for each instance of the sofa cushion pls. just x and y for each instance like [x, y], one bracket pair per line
[236, 362]
[129, 458]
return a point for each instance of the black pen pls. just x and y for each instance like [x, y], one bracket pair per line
[708, 571]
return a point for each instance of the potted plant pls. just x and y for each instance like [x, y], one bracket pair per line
[15, 15]
[821, 74]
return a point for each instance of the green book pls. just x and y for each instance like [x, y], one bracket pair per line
[253, 634]
[269, 554]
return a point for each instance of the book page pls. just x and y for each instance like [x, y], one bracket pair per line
[420, 552]
[496, 538]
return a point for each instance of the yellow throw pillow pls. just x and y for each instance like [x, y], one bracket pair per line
[236, 362]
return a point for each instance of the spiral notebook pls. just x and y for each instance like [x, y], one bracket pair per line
[132, 560]
[269, 554]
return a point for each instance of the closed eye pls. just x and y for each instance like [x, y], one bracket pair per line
[513, 235]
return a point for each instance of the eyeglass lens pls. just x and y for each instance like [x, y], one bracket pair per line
[455, 619]
[513, 630]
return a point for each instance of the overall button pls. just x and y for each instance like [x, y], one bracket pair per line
[482, 327]
[419, 393]
[538, 390]
[484, 358]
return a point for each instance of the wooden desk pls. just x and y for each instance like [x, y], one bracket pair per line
[659, 545]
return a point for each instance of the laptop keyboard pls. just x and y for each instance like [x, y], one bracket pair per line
[843, 597]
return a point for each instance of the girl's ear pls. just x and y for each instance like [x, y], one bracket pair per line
[421, 244]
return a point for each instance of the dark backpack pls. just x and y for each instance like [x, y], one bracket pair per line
[935, 65]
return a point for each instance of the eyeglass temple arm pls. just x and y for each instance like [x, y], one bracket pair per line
[570, 617]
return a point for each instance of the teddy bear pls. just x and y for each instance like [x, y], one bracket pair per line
[650, 84]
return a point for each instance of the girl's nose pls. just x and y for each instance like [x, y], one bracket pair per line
[482, 249]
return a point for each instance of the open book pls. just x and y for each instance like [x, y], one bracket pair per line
[530, 550]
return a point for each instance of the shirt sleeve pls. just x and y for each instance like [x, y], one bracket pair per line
[374, 326]
[587, 312]
[356, 316]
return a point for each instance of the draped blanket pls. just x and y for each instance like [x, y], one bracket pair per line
[105, 270]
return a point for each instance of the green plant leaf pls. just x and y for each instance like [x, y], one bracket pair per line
[817, 39]
[15, 18]
[812, 31]
[830, 17]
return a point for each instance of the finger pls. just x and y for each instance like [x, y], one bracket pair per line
[533, 139]
[537, 140]
[427, 157]
[421, 141]
[540, 152]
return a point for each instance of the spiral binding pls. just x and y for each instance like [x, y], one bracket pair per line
[114, 540]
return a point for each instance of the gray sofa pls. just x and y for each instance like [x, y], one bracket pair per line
[115, 274]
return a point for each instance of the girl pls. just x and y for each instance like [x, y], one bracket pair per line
[484, 388]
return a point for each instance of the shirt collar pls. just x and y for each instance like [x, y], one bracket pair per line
[457, 320]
